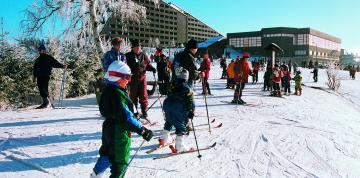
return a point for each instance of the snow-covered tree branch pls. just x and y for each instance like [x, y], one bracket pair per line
[81, 20]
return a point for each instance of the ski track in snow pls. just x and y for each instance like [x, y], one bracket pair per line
[314, 135]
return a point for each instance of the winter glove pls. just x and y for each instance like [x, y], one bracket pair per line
[154, 70]
[145, 133]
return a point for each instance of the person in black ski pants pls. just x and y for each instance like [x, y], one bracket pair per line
[42, 72]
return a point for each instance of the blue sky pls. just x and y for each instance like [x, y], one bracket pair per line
[336, 17]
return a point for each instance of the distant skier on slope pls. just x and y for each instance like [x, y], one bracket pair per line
[205, 70]
[230, 73]
[256, 68]
[268, 79]
[277, 75]
[163, 69]
[117, 108]
[242, 72]
[223, 66]
[286, 79]
[179, 107]
[42, 72]
[315, 72]
[298, 79]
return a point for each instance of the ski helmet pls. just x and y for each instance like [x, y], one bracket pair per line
[118, 70]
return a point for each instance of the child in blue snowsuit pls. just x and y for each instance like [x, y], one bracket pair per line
[179, 107]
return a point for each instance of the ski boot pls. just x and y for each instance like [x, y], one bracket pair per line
[166, 138]
[180, 145]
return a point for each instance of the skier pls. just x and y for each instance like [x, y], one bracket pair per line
[163, 69]
[353, 72]
[205, 70]
[114, 54]
[268, 79]
[223, 66]
[298, 79]
[276, 81]
[256, 67]
[186, 59]
[286, 79]
[139, 63]
[42, 71]
[230, 73]
[315, 72]
[179, 107]
[242, 72]
[117, 108]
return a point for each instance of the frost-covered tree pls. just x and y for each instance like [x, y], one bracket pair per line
[82, 19]
[333, 77]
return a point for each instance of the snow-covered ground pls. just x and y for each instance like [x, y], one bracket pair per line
[315, 135]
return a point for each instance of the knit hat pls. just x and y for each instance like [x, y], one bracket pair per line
[192, 44]
[182, 73]
[116, 41]
[118, 70]
[135, 43]
[42, 47]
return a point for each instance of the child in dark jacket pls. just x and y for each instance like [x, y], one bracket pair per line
[179, 107]
[117, 108]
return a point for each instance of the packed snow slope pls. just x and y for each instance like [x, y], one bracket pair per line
[313, 135]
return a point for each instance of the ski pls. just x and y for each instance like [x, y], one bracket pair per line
[186, 152]
[150, 124]
[159, 147]
[245, 104]
[201, 129]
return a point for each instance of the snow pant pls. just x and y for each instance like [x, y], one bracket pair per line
[287, 86]
[43, 85]
[206, 86]
[164, 82]
[138, 93]
[114, 151]
[255, 76]
[276, 87]
[230, 83]
[267, 86]
[315, 78]
[238, 90]
[224, 73]
[176, 116]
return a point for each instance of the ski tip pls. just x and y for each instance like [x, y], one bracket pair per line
[213, 145]
[220, 125]
[213, 121]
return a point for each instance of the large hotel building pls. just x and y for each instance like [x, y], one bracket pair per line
[167, 22]
[301, 44]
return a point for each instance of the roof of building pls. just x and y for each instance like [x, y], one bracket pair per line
[210, 41]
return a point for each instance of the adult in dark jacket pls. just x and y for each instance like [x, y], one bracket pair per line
[186, 59]
[114, 54]
[164, 70]
[139, 63]
[42, 72]
[315, 72]
[223, 65]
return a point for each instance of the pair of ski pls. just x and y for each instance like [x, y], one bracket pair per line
[241, 104]
[201, 129]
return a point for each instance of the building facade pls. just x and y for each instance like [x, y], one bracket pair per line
[299, 44]
[167, 24]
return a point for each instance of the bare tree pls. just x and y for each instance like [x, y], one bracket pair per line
[82, 19]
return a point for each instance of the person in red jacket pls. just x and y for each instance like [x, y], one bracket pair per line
[256, 67]
[277, 75]
[205, 71]
[242, 72]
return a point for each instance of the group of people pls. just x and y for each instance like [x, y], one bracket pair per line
[125, 86]
[276, 78]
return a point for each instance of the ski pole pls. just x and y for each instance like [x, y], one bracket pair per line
[61, 97]
[197, 146]
[123, 173]
[206, 105]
